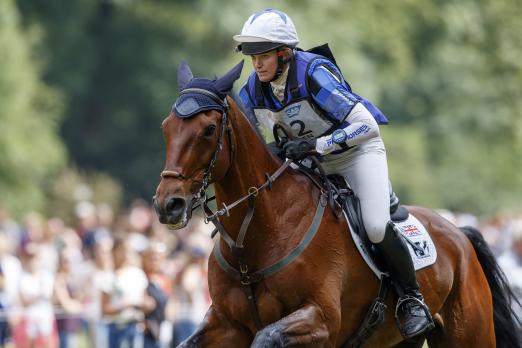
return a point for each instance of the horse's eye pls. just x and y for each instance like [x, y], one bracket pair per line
[210, 130]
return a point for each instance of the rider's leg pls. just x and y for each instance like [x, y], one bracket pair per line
[394, 250]
[367, 172]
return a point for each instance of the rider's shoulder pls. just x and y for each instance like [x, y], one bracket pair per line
[323, 67]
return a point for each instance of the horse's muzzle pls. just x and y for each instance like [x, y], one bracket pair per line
[173, 212]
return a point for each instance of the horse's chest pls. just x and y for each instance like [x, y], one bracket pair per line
[270, 305]
[237, 306]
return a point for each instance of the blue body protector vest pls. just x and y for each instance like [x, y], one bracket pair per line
[298, 109]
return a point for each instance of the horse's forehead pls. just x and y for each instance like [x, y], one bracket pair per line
[189, 124]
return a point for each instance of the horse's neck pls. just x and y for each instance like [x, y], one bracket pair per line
[278, 211]
[250, 162]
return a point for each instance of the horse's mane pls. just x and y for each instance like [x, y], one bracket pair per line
[248, 114]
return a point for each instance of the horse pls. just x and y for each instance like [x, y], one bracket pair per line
[319, 298]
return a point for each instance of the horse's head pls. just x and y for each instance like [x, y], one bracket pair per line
[197, 144]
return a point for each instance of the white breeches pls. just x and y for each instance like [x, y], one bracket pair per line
[366, 169]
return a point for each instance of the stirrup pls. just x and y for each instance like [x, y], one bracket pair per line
[404, 300]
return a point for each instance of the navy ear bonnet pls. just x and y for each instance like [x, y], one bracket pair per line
[199, 94]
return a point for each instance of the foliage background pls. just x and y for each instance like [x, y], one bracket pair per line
[85, 84]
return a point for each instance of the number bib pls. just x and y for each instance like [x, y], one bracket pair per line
[298, 115]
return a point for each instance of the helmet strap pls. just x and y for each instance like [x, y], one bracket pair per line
[281, 61]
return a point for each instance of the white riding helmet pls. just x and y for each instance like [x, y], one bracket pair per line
[266, 30]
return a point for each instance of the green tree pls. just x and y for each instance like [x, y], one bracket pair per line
[447, 73]
[30, 150]
[116, 63]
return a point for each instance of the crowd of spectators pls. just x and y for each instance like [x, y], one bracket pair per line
[105, 281]
[127, 281]
[503, 233]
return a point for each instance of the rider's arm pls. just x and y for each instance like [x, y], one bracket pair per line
[361, 127]
[330, 92]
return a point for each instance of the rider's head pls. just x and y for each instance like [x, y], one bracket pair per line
[268, 37]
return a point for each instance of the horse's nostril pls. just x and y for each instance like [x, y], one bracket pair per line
[175, 205]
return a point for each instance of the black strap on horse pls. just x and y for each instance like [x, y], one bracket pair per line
[374, 317]
[248, 279]
[237, 247]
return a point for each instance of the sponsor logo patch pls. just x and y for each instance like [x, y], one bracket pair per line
[293, 111]
[339, 136]
[361, 130]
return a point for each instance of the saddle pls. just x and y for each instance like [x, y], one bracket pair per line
[346, 198]
[422, 249]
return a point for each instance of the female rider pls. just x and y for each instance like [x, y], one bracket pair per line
[308, 92]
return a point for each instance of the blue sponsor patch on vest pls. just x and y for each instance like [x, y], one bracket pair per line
[293, 111]
[339, 136]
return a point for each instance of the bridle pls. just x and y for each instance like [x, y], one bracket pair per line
[207, 174]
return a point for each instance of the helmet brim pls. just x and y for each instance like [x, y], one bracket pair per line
[251, 48]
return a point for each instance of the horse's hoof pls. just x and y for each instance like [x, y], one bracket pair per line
[269, 337]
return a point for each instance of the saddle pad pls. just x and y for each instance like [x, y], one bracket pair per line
[423, 255]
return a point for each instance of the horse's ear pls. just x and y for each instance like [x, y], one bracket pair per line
[225, 83]
[184, 75]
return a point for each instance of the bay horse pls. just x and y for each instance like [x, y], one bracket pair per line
[320, 298]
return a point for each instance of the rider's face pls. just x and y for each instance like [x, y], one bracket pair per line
[265, 65]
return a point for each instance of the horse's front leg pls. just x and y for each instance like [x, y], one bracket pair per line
[217, 331]
[306, 327]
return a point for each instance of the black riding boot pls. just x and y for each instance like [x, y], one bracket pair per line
[415, 316]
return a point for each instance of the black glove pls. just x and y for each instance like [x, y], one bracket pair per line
[276, 150]
[298, 149]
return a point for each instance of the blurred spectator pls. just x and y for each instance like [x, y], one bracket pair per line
[10, 272]
[36, 328]
[32, 230]
[67, 297]
[496, 233]
[87, 226]
[140, 225]
[5, 328]
[511, 263]
[98, 274]
[49, 243]
[158, 287]
[9, 227]
[122, 297]
[192, 299]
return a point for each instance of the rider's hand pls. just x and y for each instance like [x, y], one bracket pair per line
[298, 149]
